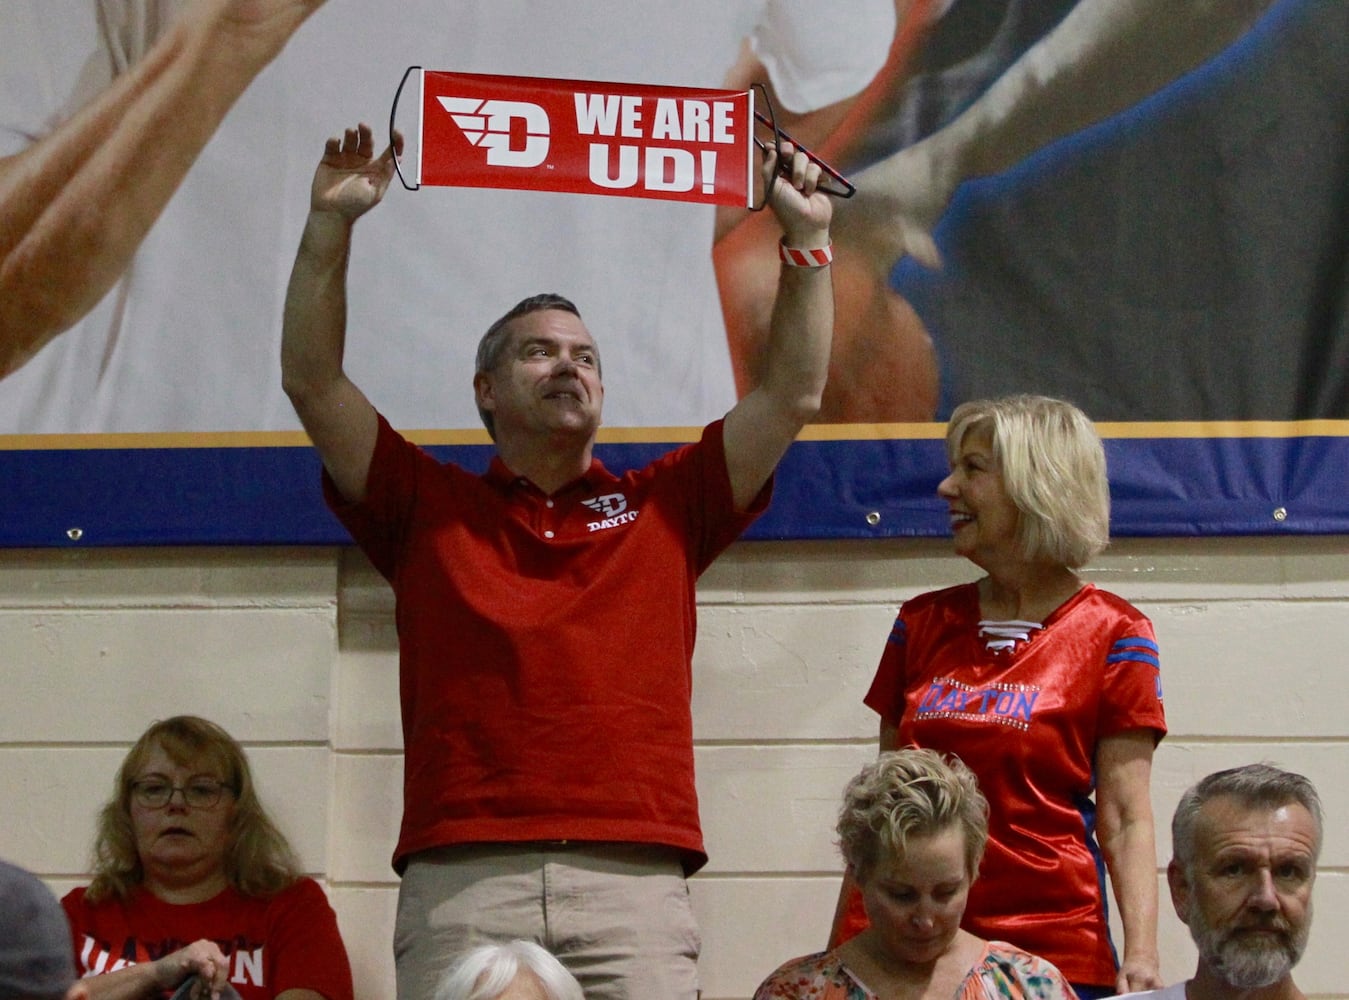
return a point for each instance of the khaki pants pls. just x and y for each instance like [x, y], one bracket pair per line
[617, 915]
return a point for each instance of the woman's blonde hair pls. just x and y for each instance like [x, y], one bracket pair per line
[258, 860]
[909, 793]
[1053, 467]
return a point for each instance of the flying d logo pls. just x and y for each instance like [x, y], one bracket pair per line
[613, 511]
[610, 505]
[491, 125]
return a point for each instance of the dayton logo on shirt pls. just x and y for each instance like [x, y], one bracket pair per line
[95, 959]
[614, 507]
[1002, 704]
[489, 125]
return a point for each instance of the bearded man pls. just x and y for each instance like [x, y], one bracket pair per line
[1245, 842]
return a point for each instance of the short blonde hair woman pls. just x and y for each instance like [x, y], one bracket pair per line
[905, 795]
[912, 830]
[1046, 686]
[1053, 468]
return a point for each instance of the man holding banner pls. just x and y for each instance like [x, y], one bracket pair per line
[546, 609]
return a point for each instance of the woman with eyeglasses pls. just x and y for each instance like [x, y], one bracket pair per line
[192, 879]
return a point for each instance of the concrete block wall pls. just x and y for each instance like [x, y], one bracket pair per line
[293, 651]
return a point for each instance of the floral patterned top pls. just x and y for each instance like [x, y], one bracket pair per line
[1003, 973]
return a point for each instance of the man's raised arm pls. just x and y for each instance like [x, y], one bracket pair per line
[350, 180]
[90, 191]
[766, 421]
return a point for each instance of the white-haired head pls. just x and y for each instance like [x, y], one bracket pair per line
[487, 971]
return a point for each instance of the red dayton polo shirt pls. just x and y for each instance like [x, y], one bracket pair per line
[546, 642]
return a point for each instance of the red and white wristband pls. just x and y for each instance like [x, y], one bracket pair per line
[797, 257]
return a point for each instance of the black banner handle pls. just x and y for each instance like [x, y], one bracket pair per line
[393, 115]
[832, 182]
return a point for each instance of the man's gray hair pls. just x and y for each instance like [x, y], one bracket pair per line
[1253, 785]
[484, 972]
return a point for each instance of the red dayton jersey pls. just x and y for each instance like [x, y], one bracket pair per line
[1027, 722]
[545, 642]
[284, 942]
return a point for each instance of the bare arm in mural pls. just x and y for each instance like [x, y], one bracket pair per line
[897, 382]
[1103, 57]
[90, 191]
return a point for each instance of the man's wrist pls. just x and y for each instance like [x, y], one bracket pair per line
[806, 236]
[806, 246]
[814, 256]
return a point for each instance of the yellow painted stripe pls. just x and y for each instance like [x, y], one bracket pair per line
[205, 439]
[658, 435]
[873, 432]
[176, 439]
[933, 430]
[1107, 429]
[1226, 429]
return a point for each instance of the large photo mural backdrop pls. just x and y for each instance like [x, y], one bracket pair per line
[1138, 205]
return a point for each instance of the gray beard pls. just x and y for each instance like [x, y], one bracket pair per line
[1247, 963]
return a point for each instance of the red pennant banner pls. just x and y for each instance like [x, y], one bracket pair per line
[584, 137]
